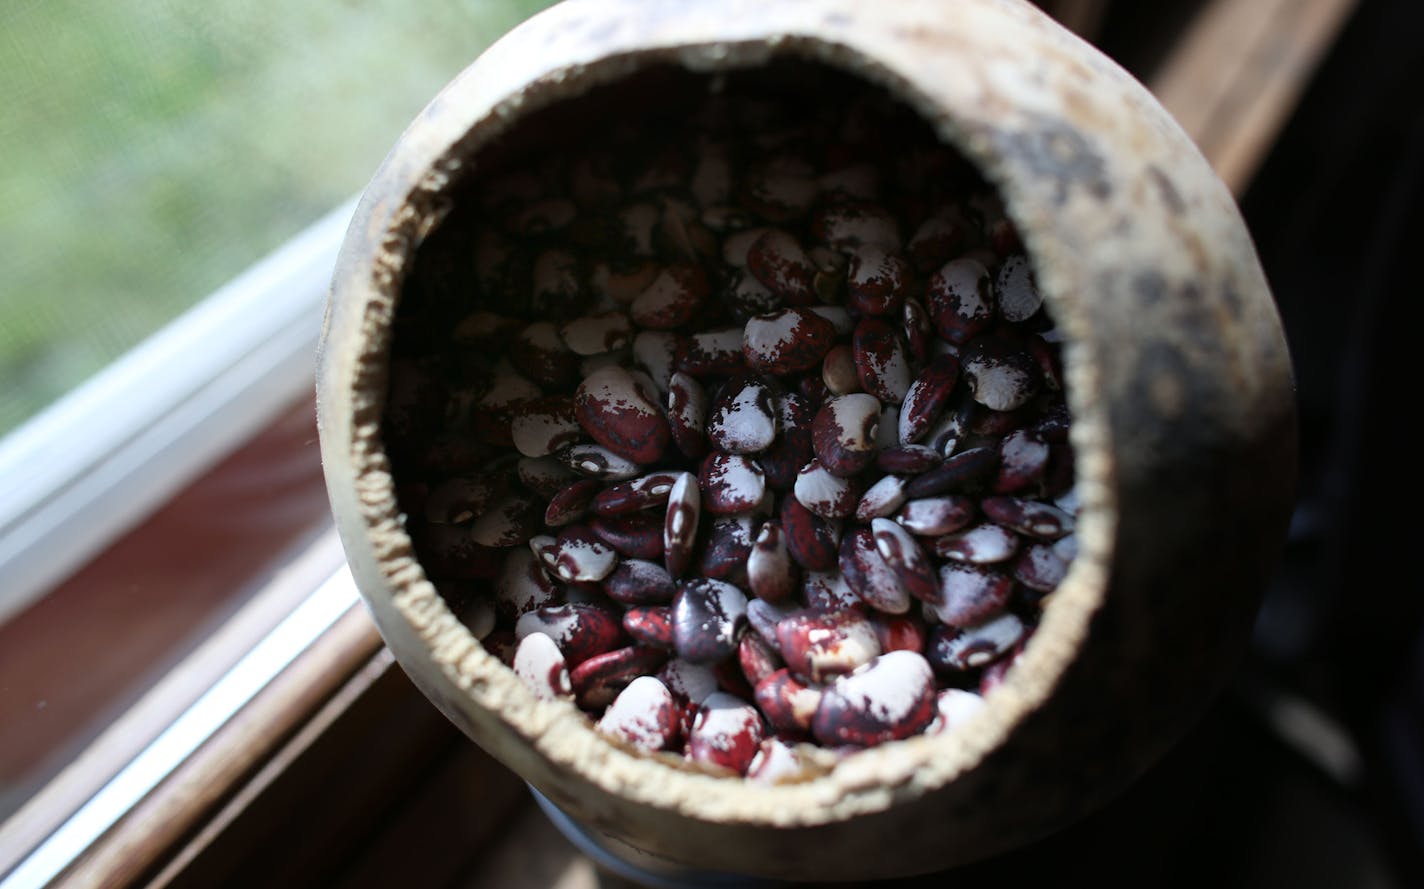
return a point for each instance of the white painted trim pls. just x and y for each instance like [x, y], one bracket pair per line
[102, 458]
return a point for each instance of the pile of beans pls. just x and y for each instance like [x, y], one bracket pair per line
[744, 438]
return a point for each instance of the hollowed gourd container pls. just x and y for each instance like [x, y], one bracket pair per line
[1178, 380]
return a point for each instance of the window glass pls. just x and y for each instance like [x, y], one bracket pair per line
[155, 148]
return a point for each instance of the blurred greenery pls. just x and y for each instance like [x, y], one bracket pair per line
[153, 149]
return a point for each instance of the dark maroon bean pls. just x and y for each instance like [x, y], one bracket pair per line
[965, 471]
[632, 496]
[813, 541]
[1028, 517]
[757, 659]
[883, 498]
[983, 544]
[596, 334]
[876, 280]
[1049, 361]
[510, 521]
[644, 715]
[731, 484]
[995, 674]
[539, 353]
[672, 299]
[792, 448]
[938, 238]
[731, 680]
[779, 263]
[649, 625]
[1023, 459]
[960, 299]
[763, 616]
[951, 427]
[458, 500]
[951, 649]
[954, 706]
[910, 459]
[596, 461]
[898, 632]
[744, 418]
[612, 410]
[746, 296]
[637, 535]
[713, 353]
[523, 585]
[825, 494]
[1003, 237]
[729, 544]
[599, 679]
[545, 476]
[934, 516]
[906, 558]
[1040, 568]
[538, 661]
[827, 591]
[656, 351]
[680, 523]
[1053, 422]
[687, 415]
[788, 704]
[987, 423]
[771, 572]
[852, 225]
[709, 617]
[888, 699]
[1058, 477]
[577, 554]
[786, 342]
[688, 681]
[868, 574]
[1001, 375]
[915, 324]
[969, 594]
[843, 433]
[580, 630]
[571, 503]
[881, 361]
[1016, 291]
[726, 732]
[813, 391]
[927, 397]
[817, 646]
[638, 582]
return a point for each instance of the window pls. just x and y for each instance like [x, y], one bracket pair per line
[177, 180]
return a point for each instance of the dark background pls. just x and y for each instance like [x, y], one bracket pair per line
[1309, 772]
